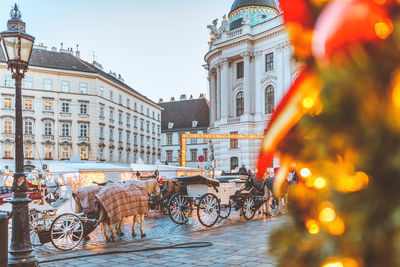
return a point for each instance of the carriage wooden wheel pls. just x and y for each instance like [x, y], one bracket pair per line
[179, 207]
[208, 209]
[66, 231]
[226, 209]
[249, 207]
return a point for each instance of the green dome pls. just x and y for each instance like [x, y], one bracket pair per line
[244, 3]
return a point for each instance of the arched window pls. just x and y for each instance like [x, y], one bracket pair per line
[234, 163]
[239, 104]
[269, 99]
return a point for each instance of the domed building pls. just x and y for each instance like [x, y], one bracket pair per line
[250, 68]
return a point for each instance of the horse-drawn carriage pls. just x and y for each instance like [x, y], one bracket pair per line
[215, 199]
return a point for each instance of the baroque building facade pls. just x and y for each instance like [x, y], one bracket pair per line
[73, 109]
[186, 116]
[250, 67]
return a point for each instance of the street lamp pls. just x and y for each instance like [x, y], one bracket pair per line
[18, 48]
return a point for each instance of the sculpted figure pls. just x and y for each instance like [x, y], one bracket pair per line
[246, 17]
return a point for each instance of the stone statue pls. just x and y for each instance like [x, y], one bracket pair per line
[213, 30]
[224, 25]
[259, 17]
[246, 17]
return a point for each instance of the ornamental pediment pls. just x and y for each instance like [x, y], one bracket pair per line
[268, 78]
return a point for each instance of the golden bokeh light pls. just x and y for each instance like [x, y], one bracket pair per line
[396, 94]
[307, 103]
[383, 30]
[336, 227]
[351, 183]
[344, 262]
[320, 182]
[327, 214]
[312, 226]
[305, 173]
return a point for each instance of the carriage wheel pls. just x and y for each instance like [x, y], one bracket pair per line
[225, 209]
[66, 231]
[208, 210]
[178, 207]
[34, 222]
[248, 208]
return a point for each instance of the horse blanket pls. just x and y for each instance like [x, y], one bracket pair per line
[87, 196]
[123, 200]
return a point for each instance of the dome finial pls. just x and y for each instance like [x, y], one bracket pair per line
[15, 13]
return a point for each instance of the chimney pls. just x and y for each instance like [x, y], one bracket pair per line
[160, 101]
[183, 97]
[40, 47]
[201, 96]
[77, 53]
[191, 96]
[172, 99]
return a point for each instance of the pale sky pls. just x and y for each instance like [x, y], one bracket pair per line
[158, 46]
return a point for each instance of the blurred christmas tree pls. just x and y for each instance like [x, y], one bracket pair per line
[340, 124]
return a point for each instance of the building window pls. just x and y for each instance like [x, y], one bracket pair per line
[135, 106]
[153, 115]
[120, 156]
[8, 126]
[234, 163]
[84, 153]
[141, 140]
[169, 139]
[148, 113]
[239, 104]
[141, 109]
[65, 153]
[269, 61]
[128, 138]
[111, 155]
[128, 103]
[111, 95]
[158, 116]
[83, 107]
[102, 132]
[28, 127]
[9, 81]
[83, 88]
[193, 155]
[135, 140]
[148, 159]
[111, 114]
[205, 154]
[141, 125]
[234, 142]
[48, 104]
[153, 129]
[8, 151]
[128, 120]
[119, 136]
[169, 155]
[8, 102]
[120, 99]
[28, 152]
[269, 99]
[135, 122]
[48, 128]
[147, 126]
[83, 130]
[128, 157]
[102, 111]
[101, 91]
[28, 104]
[65, 129]
[158, 129]
[101, 153]
[65, 107]
[111, 134]
[48, 84]
[28, 82]
[147, 141]
[48, 152]
[120, 117]
[193, 140]
[239, 70]
[65, 86]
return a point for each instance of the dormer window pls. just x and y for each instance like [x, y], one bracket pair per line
[170, 125]
[194, 124]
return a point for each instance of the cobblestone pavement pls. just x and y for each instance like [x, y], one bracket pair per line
[235, 242]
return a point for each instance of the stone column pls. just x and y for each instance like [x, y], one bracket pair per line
[258, 94]
[218, 92]
[246, 81]
[286, 66]
[213, 98]
[280, 73]
[224, 88]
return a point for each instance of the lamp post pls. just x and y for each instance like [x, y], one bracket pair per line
[18, 48]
